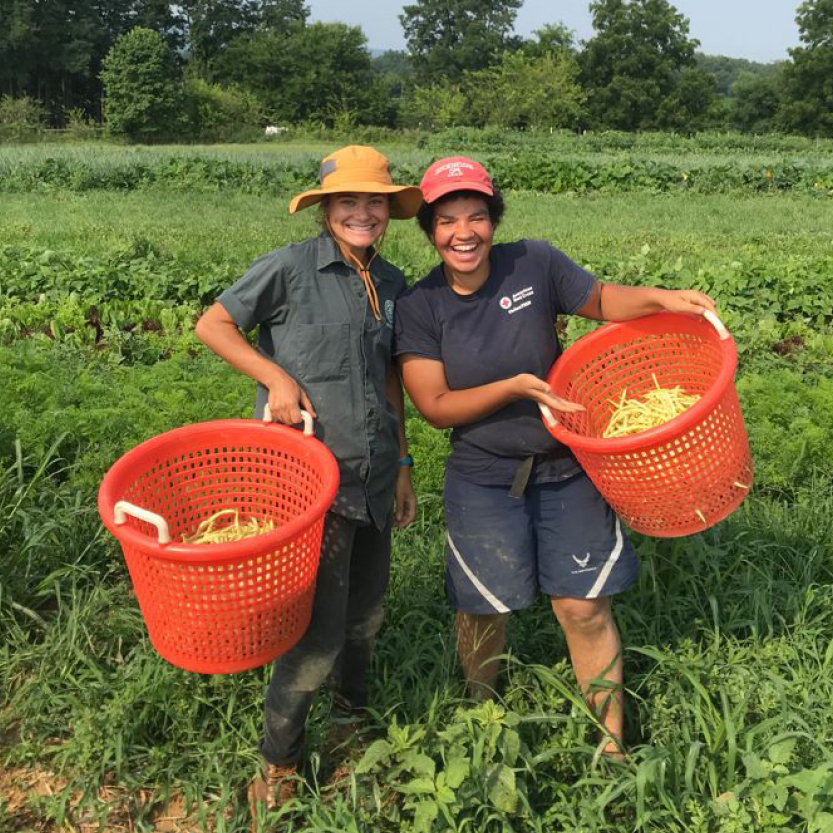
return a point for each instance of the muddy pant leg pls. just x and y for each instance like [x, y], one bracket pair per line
[369, 574]
[297, 675]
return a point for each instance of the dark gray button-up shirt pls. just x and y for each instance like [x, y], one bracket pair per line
[316, 323]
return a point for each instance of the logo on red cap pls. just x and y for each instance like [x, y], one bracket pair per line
[455, 173]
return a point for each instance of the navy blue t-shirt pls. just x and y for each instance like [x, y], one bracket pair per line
[505, 328]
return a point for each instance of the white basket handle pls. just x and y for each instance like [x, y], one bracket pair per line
[306, 416]
[717, 324]
[548, 415]
[122, 509]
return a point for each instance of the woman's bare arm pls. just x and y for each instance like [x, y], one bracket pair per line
[614, 302]
[444, 408]
[404, 495]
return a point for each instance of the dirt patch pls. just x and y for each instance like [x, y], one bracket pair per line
[25, 794]
[19, 791]
[788, 346]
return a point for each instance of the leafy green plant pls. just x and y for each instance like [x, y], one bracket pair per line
[467, 769]
[776, 795]
[577, 171]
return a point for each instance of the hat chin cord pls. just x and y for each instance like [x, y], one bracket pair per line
[361, 268]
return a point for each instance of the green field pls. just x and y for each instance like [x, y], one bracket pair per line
[107, 256]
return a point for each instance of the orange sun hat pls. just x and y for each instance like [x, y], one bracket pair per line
[357, 169]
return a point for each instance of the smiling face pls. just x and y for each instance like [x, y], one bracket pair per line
[358, 220]
[463, 234]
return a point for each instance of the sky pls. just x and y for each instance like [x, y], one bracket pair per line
[760, 30]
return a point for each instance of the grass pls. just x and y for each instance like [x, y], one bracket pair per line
[728, 652]
[104, 155]
[233, 227]
[292, 150]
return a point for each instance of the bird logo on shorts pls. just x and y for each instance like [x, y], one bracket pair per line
[582, 562]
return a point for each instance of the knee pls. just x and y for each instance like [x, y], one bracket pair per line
[583, 616]
[305, 666]
[313, 668]
[367, 626]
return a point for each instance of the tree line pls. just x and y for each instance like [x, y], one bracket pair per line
[215, 69]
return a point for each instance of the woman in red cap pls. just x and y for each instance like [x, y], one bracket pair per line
[475, 339]
[324, 308]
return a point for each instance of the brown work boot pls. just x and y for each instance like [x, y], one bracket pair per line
[340, 745]
[342, 735]
[271, 788]
[347, 725]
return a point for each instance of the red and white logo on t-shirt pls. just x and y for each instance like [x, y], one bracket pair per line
[518, 301]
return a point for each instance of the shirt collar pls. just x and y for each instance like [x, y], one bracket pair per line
[329, 253]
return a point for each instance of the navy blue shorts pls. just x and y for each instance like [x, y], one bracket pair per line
[558, 538]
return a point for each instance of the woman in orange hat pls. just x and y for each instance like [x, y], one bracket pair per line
[324, 308]
[475, 339]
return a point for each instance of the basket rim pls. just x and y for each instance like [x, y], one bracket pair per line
[562, 370]
[216, 554]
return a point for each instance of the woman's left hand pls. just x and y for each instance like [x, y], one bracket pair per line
[405, 499]
[687, 300]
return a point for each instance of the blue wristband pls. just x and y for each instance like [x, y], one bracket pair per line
[407, 460]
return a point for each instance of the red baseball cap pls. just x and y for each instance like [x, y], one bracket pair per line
[454, 173]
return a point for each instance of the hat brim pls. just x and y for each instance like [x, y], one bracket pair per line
[451, 187]
[404, 203]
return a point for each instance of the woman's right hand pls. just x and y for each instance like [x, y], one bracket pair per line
[286, 400]
[529, 386]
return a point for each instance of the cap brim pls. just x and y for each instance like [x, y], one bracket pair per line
[451, 187]
[404, 204]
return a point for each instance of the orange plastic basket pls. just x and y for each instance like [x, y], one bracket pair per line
[222, 608]
[683, 476]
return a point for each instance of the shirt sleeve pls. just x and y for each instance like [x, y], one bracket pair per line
[571, 283]
[416, 329]
[259, 295]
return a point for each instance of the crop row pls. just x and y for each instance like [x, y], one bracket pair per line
[53, 173]
[525, 170]
[145, 332]
[607, 141]
[554, 175]
[132, 274]
[791, 290]
[748, 292]
[122, 331]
